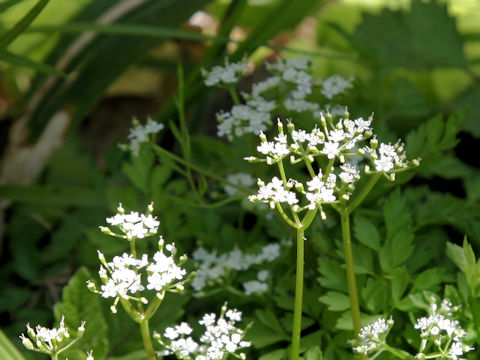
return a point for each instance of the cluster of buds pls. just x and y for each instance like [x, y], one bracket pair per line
[52, 341]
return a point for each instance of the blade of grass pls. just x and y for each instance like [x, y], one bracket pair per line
[7, 350]
[5, 5]
[23, 24]
[23, 61]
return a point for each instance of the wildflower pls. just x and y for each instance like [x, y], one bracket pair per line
[241, 179]
[335, 85]
[213, 266]
[372, 337]
[225, 75]
[221, 337]
[51, 341]
[140, 134]
[132, 225]
[126, 277]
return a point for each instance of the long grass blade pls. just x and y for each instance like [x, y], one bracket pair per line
[7, 350]
[22, 25]
[20, 60]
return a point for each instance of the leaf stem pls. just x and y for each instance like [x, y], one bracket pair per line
[297, 313]
[351, 283]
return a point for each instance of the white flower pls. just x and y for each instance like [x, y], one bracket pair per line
[331, 149]
[140, 133]
[254, 287]
[225, 75]
[133, 225]
[373, 336]
[335, 85]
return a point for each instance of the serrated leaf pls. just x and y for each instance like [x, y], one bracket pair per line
[398, 243]
[375, 295]
[332, 275]
[79, 304]
[366, 233]
[425, 37]
[431, 139]
[430, 279]
[270, 320]
[335, 301]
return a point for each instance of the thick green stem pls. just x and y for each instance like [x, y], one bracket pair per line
[297, 313]
[351, 283]
[233, 94]
[147, 340]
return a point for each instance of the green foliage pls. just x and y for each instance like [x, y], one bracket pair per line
[423, 38]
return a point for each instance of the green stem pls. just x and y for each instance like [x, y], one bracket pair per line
[54, 356]
[147, 340]
[351, 283]
[154, 305]
[297, 313]
[363, 193]
[233, 94]
[213, 176]
[401, 354]
[133, 249]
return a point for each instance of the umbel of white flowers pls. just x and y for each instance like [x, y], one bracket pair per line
[287, 90]
[52, 341]
[349, 147]
[221, 337]
[441, 335]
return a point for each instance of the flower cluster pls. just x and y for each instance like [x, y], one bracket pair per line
[225, 75]
[335, 85]
[139, 134]
[132, 225]
[241, 179]
[286, 91]
[442, 332]
[213, 266]
[373, 336]
[337, 144]
[52, 341]
[123, 277]
[221, 337]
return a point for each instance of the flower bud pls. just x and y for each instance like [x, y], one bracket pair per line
[279, 126]
[290, 126]
[262, 136]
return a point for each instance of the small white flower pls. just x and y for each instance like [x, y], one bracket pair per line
[335, 85]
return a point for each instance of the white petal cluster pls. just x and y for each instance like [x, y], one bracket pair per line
[127, 277]
[141, 133]
[221, 337]
[132, 225]
[335, 85]
[243, 119]
[225, 75]
[274, 192]
[443, 332]
[50, 341]
[212, 267]
[387, 157]
[372, 337]
[257, 286]
[287, 91]
[241, 179]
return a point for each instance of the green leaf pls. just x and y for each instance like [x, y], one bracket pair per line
[366, 233]
[137, 355]
[7, 350]
[23, 61]
[425, 37]
[270, 320]
[375, 295]
[430, 279]
[398, 243]
[22, 25]
[431, 140]
[79, 304]
[398, 283]
[262, 336]
[332, 275]
[314, 354]
[335, 301]
[139, 168]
